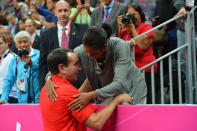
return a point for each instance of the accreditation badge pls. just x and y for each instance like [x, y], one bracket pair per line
[21, 85]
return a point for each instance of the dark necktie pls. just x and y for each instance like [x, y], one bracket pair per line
[107, 11]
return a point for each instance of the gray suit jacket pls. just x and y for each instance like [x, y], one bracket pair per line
[119, 74]
[97, 16]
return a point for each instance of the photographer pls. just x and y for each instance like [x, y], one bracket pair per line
[131, 25]
[23, 71]
[82, 13]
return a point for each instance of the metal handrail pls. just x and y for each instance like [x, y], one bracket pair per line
[164, 56]
[159, 26]
[153, 29]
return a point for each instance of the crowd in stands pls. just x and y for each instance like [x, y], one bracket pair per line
[31, 29]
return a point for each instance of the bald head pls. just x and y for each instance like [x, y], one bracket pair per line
[62, 11]
[60, 2]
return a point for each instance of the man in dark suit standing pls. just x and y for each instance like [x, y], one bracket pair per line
[64, 35]
[108, 13]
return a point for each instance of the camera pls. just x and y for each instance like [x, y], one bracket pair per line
[82, 2]
[23, 52]
[127, 17]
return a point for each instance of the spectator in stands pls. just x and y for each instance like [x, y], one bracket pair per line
[30, 27]
[5, 31]
[82, 13]
[3, 20]
[6, 56]
[23, 70]
[108, 13]
[65, 35]
[64, 65]
[21, 9]
[33, 14]
[143, 45]
[149, 8]
[180, 6]
[7, 7]
[13, 24]
[109, 70]
[21, 24]
[50, 18]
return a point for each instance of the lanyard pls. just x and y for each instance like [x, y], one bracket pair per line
[32, 42]
[68, 36]
[144, 5]
[81, 17]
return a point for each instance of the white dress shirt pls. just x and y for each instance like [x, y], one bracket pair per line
[59, 32]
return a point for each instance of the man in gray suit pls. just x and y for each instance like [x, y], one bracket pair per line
[108, 13]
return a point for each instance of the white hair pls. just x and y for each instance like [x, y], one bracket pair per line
[22, 34]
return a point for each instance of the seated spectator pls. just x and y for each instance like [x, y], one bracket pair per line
[6, 56]
[23, 70]
[30, 27]
[108, 13]
[50, 18]
[143, 45]
[20, 9]
[13, 24]
[21, 24]
[5, 31]
[64, 65]
[33, 14]
[3, 20]
[82, 13]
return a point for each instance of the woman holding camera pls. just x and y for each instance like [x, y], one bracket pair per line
[143, 45]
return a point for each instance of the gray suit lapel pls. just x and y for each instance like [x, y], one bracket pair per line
[100, 15]
[113, 12]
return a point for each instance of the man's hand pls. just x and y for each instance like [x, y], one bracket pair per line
[181, 11]
[4, 102]
[86, 6]
[51, 94]
[79, 7]
[82, 100]
[131, 42]
[123, 98]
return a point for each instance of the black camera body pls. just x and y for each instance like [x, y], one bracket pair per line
[23, 52]
[127, 17]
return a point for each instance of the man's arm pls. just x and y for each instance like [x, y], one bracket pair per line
[98, 119]
[85, 87]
